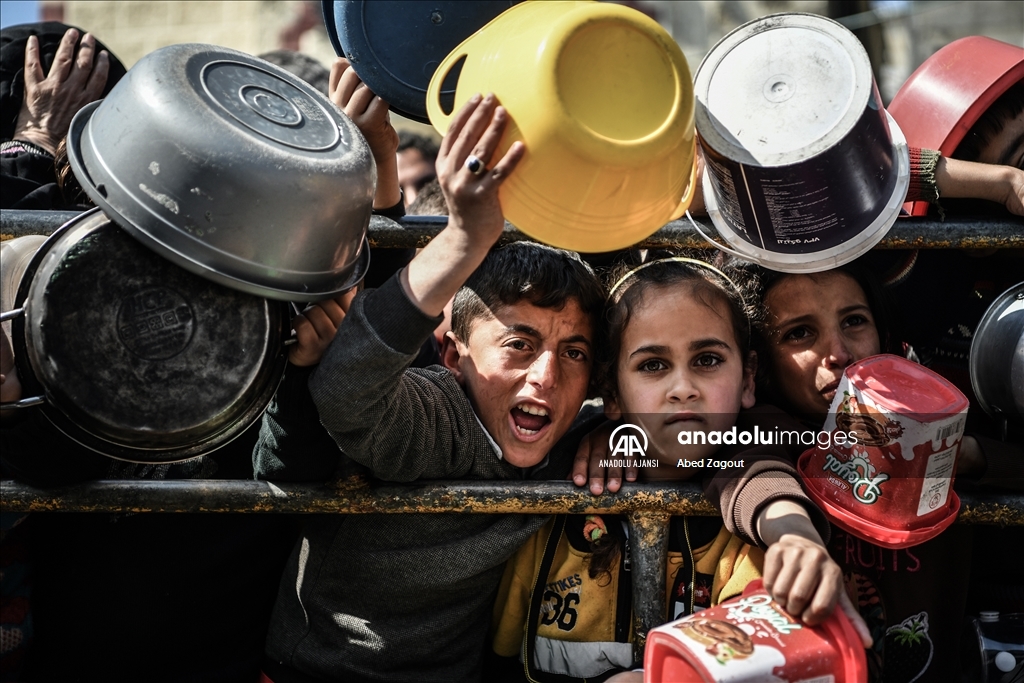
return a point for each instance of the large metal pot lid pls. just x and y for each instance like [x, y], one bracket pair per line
[778, 90]
[395, 47]
[232, 168]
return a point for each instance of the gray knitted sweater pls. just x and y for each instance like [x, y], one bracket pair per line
[388, 597]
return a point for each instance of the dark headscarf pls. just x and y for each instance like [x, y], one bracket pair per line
[12, 65]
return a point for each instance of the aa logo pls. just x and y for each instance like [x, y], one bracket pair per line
[624, 442]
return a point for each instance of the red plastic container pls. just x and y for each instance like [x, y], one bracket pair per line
[750, 639]
[949, 92]
[886, 472]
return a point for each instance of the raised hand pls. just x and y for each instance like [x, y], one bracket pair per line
[52, 100]
[470, 186]
[370, 114]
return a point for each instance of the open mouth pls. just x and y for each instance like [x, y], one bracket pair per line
[529, 420]
[692, 418]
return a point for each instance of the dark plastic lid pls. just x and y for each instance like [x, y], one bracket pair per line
[395, 46]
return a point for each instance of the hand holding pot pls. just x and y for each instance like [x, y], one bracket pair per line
[52, 100]
[370, 114]
[315, 328]
[470, 186]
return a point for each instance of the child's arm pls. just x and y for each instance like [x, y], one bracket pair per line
[292, 445]
[402, 424]
[934, 177]
[1004, 185]
[10, 385]
[798, 571]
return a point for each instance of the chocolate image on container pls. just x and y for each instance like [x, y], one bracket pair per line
[751, 639]
[724, 641]
[805, 169]
[871, 427]
[886, 473]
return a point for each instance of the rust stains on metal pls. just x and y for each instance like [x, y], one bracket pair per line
[359, 496]
[991, 512]
[650, 529]
[416, 231]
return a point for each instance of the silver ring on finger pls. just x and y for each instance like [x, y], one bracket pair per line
[475, 166]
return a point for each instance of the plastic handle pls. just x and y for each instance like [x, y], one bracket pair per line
[437, 117]
[687, 199]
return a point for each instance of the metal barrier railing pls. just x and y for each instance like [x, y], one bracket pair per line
[648, 507]
[416, 231]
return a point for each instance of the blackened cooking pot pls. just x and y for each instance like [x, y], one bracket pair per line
[137, 358]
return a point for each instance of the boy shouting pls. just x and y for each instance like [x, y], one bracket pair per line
[408, 597]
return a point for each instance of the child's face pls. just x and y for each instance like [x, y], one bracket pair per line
[526, 371]
[680, 368]
[818, 325]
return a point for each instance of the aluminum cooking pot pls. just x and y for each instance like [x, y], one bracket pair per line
[232, 168]
[136, 358]
[997, 357]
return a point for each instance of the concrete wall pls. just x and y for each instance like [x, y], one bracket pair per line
[133, 29]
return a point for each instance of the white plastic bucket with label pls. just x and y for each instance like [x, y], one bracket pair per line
[805, 171]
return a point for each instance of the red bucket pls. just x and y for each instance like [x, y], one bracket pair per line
[886, 471]
[950, 91]
[750, 639]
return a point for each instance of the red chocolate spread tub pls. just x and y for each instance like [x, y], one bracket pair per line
[750, 639]
[886, 473]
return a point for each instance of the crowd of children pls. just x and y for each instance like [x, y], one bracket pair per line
[674, 343]
[668, 341]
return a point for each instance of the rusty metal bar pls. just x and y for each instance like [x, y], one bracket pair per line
[17, 223]
[358, 496]
[350, 496]
[648, 550]
[648, 508]
[416, 231]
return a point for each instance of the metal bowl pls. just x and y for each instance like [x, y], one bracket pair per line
[233, 169]
[997, 356]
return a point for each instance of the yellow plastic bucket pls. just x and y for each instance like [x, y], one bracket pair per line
[602, 97]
